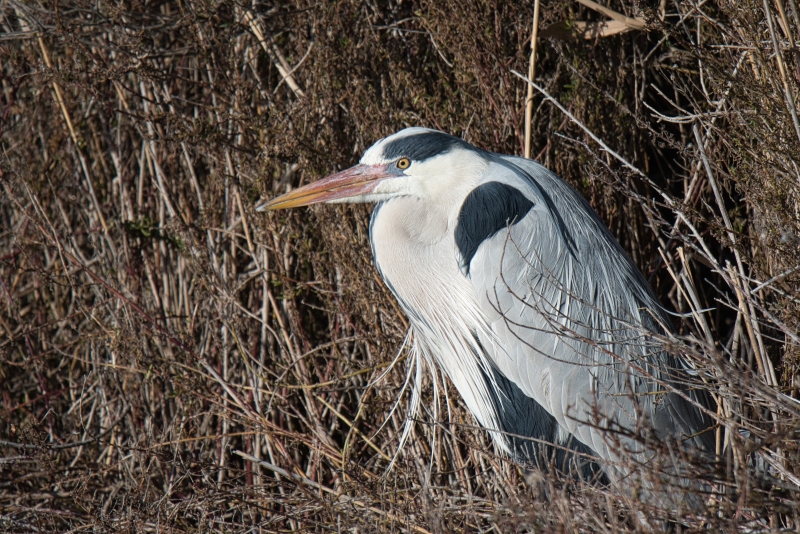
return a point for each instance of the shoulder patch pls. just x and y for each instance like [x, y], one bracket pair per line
[422, 146]
[487, 209]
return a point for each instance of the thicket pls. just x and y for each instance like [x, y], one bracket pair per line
[153, 324]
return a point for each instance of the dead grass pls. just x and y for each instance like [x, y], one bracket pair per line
[153, 324]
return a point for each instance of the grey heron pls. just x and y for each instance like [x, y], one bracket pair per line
[517, 290]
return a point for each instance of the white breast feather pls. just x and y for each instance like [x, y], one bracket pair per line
[443, 309]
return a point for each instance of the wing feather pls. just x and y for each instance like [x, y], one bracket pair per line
[576, 324]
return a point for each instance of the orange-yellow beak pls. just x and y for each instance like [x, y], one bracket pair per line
[355, 181]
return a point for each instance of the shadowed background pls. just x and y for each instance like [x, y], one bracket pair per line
[152, 323]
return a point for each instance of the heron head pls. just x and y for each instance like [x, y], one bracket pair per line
[415, 162]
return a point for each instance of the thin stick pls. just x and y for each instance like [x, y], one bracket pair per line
[742, 291]
[59, 97]
[346, 421]
[274, 54]
[531, 76]
[96, 438]
[634, 24]
[316, 485]
[788, 96]
[667, 199]
[154, 324]
[786, 27]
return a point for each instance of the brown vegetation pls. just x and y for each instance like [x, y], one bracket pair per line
[153, 324]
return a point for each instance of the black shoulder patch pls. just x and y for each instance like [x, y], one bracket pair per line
[421, 146]
[487, 209]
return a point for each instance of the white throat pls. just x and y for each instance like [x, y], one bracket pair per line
[414, 248]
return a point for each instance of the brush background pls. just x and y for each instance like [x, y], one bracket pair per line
[136, 138]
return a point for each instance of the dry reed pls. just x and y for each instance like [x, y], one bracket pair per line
[153, 323]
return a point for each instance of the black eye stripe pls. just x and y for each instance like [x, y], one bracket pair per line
[419, 147]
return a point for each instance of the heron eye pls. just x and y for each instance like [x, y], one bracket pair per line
[403, 163]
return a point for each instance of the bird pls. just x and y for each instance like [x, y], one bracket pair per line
[516, 290]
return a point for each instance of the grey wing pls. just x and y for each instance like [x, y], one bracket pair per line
[572, 317]
[533, 435]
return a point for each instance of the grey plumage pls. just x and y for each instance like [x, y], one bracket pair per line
[517, 291]
[572, 310]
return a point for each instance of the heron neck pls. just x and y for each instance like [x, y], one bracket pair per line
[422, 271]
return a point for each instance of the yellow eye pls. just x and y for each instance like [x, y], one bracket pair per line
[403, 163]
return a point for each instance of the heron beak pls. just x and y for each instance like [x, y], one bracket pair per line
[355, 181]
